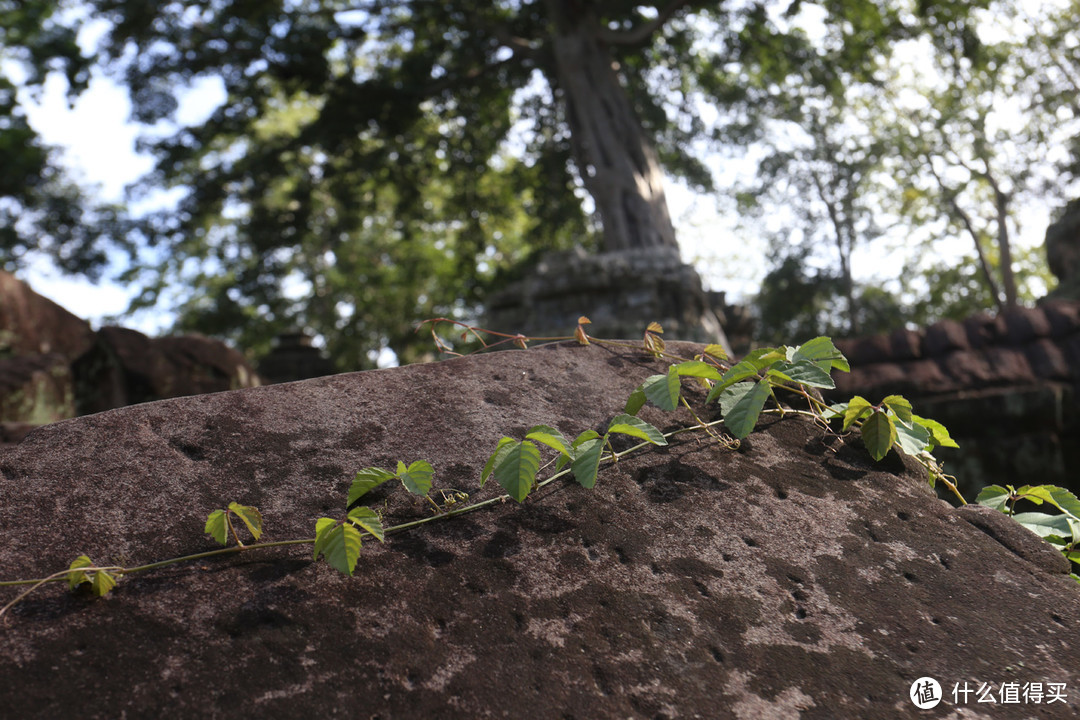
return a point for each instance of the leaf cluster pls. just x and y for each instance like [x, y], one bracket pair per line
[1061, 530]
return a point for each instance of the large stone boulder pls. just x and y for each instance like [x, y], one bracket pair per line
[125, 367]
[792, 577]
[31, 324]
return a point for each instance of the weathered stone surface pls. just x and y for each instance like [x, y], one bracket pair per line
[126, 367]
[31, 324]
[1063, 252]
[620, 292]
[791, 578]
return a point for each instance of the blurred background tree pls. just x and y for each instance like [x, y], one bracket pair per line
[377, 162]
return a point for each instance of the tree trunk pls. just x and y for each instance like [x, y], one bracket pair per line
[618, 164]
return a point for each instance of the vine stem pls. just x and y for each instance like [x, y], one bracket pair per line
[63, 575]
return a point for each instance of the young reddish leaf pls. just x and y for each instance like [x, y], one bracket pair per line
[582, 320]
[654, 344]
[580, 336]
[655, 327]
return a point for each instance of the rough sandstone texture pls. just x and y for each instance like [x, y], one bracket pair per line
[792, 578]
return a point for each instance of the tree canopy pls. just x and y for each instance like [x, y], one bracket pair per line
[377, 162]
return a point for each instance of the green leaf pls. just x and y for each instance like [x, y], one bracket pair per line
[1059, 497]
[900, 407]
[636, 401]
[574, 448]
[323, 526]
[496, 458]
[216, 527]
[836, 410]
[741, 406]
[102, 583]
[547, 435]
[806, 373]
[517, 469]
[369, 520]
[663, 390]
[251, 517]
[699, 369]
[417, 477]
[994, 496]
[586, 462]
[635, 427]
[367, 480]
[823, 353]
[857, 407]
[913, 439]
[878, 434]
[77, 577]
[1045, 525]
[340, 544]
[938, 432]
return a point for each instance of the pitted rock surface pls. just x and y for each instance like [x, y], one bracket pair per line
[792, 578]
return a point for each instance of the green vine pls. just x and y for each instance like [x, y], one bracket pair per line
[744, 391]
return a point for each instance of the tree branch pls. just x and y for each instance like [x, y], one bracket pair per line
[641, 33]
[965, 219]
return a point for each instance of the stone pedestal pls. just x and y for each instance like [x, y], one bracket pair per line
[621, 292]
[1063, 253]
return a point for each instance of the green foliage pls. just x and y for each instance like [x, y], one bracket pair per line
[742, 392]
[100, 581]
[1061, 530]
[219, 523]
